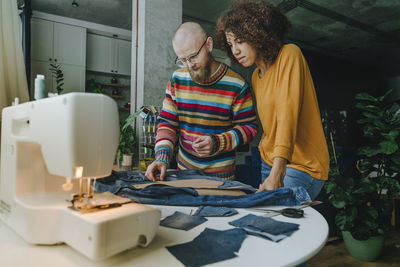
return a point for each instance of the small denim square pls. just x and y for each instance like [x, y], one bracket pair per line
[209, 247]
[265, 225]
[182, 221]
[211, 211]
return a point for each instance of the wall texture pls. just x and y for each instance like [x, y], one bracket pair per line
[158, 21]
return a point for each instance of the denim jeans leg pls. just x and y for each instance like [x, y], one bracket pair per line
[296, 178]
[265, 171]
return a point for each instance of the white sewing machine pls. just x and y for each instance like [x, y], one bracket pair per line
[44, 144]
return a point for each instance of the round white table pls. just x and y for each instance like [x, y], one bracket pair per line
[295, 249]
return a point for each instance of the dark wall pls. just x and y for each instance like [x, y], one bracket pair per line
[336, 83]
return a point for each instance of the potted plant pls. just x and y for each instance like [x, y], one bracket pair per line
[58, 75]
[127, 141]
[365, 203]
[94, 87]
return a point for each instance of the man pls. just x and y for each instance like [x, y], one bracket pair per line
[209, 104]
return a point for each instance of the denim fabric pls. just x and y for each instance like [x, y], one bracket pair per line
[210, 211]
[209, 247]
[120, 183]
[182, 221]
[265, 227]
[295, 178]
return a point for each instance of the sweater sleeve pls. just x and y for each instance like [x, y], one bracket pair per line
[244, 124]
[167, 127]
[289, 95]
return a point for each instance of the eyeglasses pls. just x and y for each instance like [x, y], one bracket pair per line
[181, 62]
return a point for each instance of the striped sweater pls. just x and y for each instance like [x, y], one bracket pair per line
[222, 109]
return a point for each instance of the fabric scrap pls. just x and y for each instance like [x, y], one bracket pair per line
[209, 247]
[211, 211]
[182, 221]
[265, 227]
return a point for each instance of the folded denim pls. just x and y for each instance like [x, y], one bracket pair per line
[209, 247]
[265, 227]
[211, 211]
[120, 183]
[182, 221]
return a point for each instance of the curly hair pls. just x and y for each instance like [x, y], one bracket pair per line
[260, 24]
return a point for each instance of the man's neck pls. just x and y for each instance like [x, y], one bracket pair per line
[214, 67]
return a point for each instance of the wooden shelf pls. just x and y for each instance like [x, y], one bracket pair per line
[116, 85]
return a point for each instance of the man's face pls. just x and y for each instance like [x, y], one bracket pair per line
[195, 55]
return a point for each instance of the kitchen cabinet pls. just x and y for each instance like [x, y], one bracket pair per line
[58, 43]
[109, 55]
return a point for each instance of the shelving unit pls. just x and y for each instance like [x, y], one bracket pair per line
[147, 134]
[122, 98]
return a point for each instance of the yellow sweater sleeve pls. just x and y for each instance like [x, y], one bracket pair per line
[287, 101]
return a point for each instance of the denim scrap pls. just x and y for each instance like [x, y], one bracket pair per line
[211, 211]
[256, 232]
[265, 227]
[182, 221]
[209, 247]
[120, 183]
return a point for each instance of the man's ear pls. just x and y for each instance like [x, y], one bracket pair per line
[210, 43]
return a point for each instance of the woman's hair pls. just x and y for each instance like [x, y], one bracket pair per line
[260, 24]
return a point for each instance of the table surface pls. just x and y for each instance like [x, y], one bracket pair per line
[255, 251]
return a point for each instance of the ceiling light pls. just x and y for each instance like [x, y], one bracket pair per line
[74, 4]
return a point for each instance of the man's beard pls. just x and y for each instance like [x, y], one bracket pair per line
[203, 74]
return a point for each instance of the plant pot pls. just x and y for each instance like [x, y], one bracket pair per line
[365, 250]
[126, 162]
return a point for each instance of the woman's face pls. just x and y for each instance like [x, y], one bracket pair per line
[242, 51]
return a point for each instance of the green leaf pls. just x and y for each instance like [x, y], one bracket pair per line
[368, 107]
[392, 134]
[388, 147]
[366, 96]
[369, 151]
[370, 115]
[362, 121]
[382, 98]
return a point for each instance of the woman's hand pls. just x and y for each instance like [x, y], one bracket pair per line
[275, 178]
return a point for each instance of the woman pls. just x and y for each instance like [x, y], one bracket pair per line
[293, 147]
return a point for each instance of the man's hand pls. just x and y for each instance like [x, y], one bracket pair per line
[203, 146]
[156, 167]
[275, 178]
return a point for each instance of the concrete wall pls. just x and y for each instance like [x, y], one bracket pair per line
[158, 21]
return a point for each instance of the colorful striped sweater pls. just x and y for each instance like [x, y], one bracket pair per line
[222, 109]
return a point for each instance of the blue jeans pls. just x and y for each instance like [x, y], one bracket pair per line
[121, 183]
[295, 178]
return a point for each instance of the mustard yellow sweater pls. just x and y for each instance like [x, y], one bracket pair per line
[288, 110]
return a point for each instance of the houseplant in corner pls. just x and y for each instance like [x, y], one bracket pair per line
[365, 203]
[127, 141]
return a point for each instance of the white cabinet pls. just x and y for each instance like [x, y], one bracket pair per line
[122, 60]
[109, 55]
[74, 76]
[98, 53]
[53, 42]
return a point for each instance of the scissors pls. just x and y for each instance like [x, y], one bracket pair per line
[287, 212]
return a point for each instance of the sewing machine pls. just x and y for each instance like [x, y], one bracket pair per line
[52, 151]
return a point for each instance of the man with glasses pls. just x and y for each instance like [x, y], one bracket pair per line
[208, 104]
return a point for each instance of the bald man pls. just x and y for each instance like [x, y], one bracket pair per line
[209, 104]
